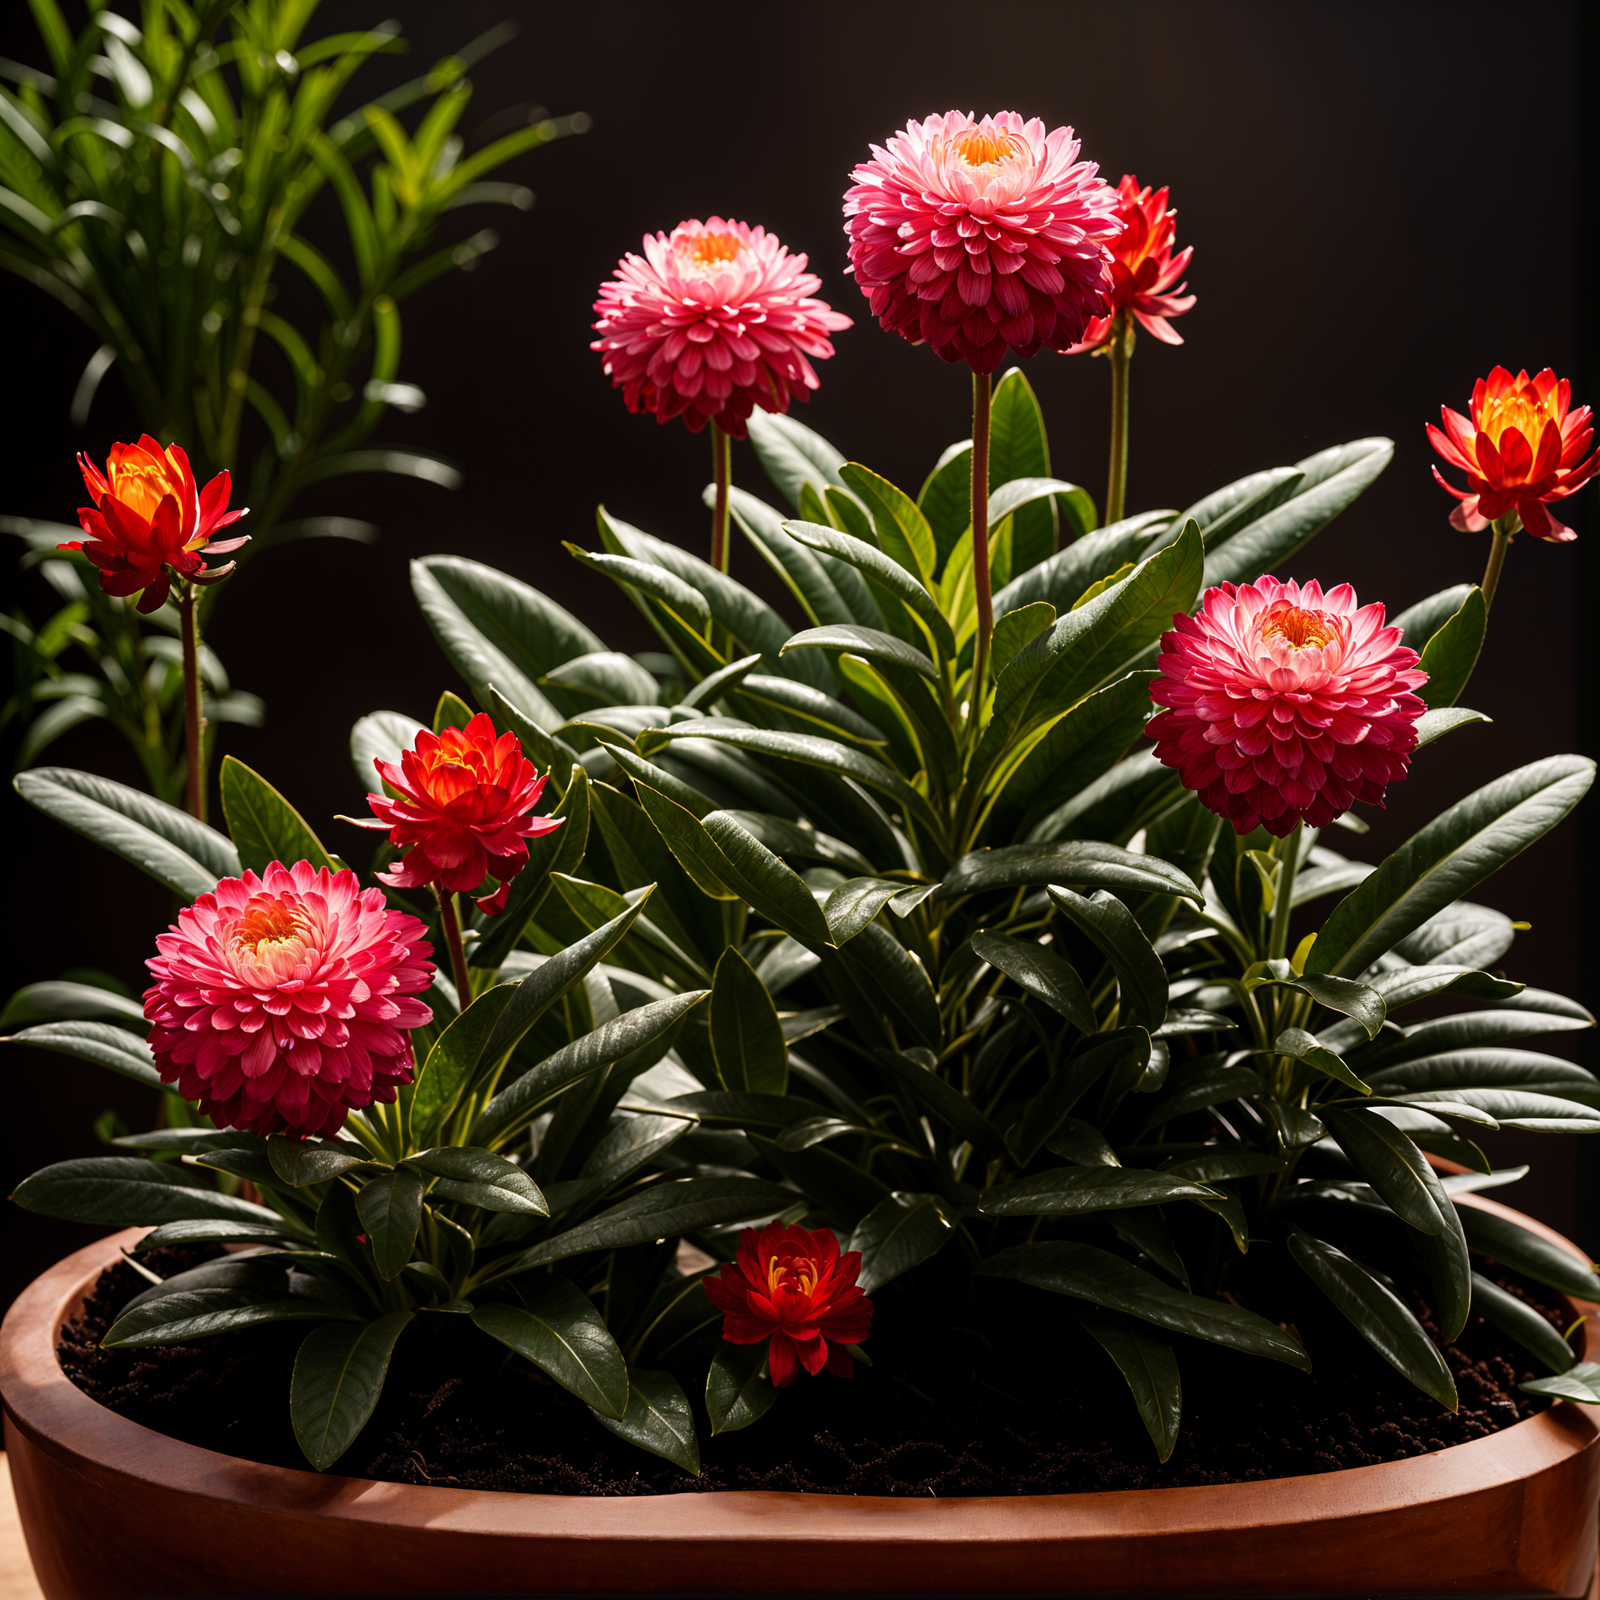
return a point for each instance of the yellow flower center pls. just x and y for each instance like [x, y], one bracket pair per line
[1521, 409]
[266, 922]
[140, 483]
[1299, 629]
[786, 1275]
[983, 147]
[705, 252]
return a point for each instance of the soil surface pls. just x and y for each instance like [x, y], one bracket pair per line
[1001, 1395]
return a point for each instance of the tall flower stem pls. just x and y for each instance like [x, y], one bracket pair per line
[980, 539]
[1121, 353]
[1504, 528]
[452, 938]
[193, 723]
[1287, 851]
[721, 452]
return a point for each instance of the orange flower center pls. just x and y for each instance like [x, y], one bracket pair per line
[266, 920]
[785, 1274]
[982, 147]
[139, 483]
[1299, 629]
[705, 252]
[1521, 409]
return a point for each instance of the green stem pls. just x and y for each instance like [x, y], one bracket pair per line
[452, 938]
[1121, 350]
[193, 722]
[1287, 851]
[721, 452]
[1504, 528]
[980, 542]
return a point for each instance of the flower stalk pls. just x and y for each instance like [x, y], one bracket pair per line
[981, 395]
[1505, 528]
[450, 926]
[1121, 353]
[1287, 850]
[721, 458]
[194, 724]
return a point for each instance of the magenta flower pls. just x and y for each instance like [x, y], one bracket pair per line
[982, 237]
[1285, 704]
[715, 320]
[283, 1002]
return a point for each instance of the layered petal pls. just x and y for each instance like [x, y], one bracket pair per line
[1144, 272]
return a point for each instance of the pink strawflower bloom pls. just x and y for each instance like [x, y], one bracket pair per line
[283, 1002]
[982, 237]
[1520, 450]
[714, 320]
[149, 521]
[1285, 704]
[462, 811]
[1143, 269]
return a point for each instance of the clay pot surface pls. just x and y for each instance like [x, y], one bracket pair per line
[112, 1509]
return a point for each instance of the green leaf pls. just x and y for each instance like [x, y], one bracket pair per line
[658, 1419]
[792, 455]
[1377, 1314]
[1095, 1275]
[946, 498]
[1419, 623]
[168, 844]
[1404, 986]
[902, 530]
[206, 1231]
[1306, 1047]
[380, 736]
[1147, 1362]
[898, 1234]
[338, 1377]
[1016, 629]
[302, 1162]
[1447, 859]
[100, 1042]
[1393, 1165]
[1528, 1253]
[264, 826]
[773, 889]
[58, 1000]
[871, 643]
[1359, 1001]
[1432, 725]
[1450, 655]
[1109, 925]
[1223, 512]
[851, 905]
[1521, 1322]
[762, 1111]
[1040, 972]
[1082, 862]
[1580, 1383]
[204, 1313]
[561, 1333]
[737, 1390]
[917, 1070]
[611, 678]
[390, 1208]
[1018, 450]
[125, 1192]
[1072, 1191]
[826, 589]
[480, 1178]
[448, 1067]
[746, 1040]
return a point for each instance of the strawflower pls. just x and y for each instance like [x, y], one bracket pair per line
[980, 238]
[1143, 269]
[1285, 704]
[791, 1287]
[149, 521]
[1520, 450]
[715, 319]
[462, 812]
[283, 1002]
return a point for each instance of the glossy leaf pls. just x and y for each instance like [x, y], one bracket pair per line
[264, 826]
[747, 1042]
[898, 1234]
[302, 1162]
[1040, 972]
[1141, 978]
[1522, 1322]
[1072, 1191]
[658, 1419]
[338, 1378]
[792, 455]
[1452, 652]
[1393, 1165]
[450, 1063]
[1147, 1362]
[737, 1389]
[123, 1192]
[480, 1178]
[205, 1313]
[100, 1042]
[560, 1332]
[1526, 1252]
[390, 1208]
[1082, 862]
[1308, 1048]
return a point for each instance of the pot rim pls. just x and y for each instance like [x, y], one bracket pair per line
[49, 1410]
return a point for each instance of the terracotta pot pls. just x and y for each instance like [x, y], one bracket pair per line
[111, 1509]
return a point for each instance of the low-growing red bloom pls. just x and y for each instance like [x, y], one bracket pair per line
[980, 238]
[1143, 269]
[792, 1287]
[462, 811]
[283, 1002]
[1520, 451]
[1285, 703]
[714, 320]
[149, 520]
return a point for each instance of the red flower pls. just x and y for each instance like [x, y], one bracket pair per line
[715, 319]
[1285, 703]
[981, 237]
[1143, 269]
[1520, 452]
[283, 1002]
[463, 810]
[793, 1287]
[149, 521]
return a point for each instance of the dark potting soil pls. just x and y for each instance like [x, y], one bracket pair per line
[1003, 1395]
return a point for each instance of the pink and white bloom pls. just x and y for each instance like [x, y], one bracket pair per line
[1285, 704]
[715, 319]
[283, 1002]
[980, 238]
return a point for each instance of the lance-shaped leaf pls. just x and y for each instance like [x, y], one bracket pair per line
[1109, 925]
[103, 1043]
[1224, 511]
[1207, 1082]
[123, 1192]
[917, 1071]
[898, 1234]
[901, 529]
[738, 1391]
[1308, 1048]
[302, 1162]
[1443, 1035]
[1082, 862]
[657, 1419]
[1447, 859]
[338, 1377]
[1040, 972]
[185, 855]
[1433, 725]
[1404, 986]
[264, 826]
[1358, 1001]
[1394, 1166]
[1522, 1322]
[851, 905]
[1526, 1252]
[1510, 1108]
[1070, 1191]
[1450, 655]
[793, 455]
[1146, 1361]
[450, 1064]
[205, 1313]
[1527, 1070]
[479, 1178]
[1377, 1314]
[1580, 1383]
[871, 643]
[747, 1041]
[390, 1208]
[772, 887]
[560, 1332]
[1087, 1273]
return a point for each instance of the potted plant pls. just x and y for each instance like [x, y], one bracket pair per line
[901, 959]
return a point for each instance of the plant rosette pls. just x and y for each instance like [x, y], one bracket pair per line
[873, 959]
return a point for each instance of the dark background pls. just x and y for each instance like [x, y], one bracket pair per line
[1383, 203]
